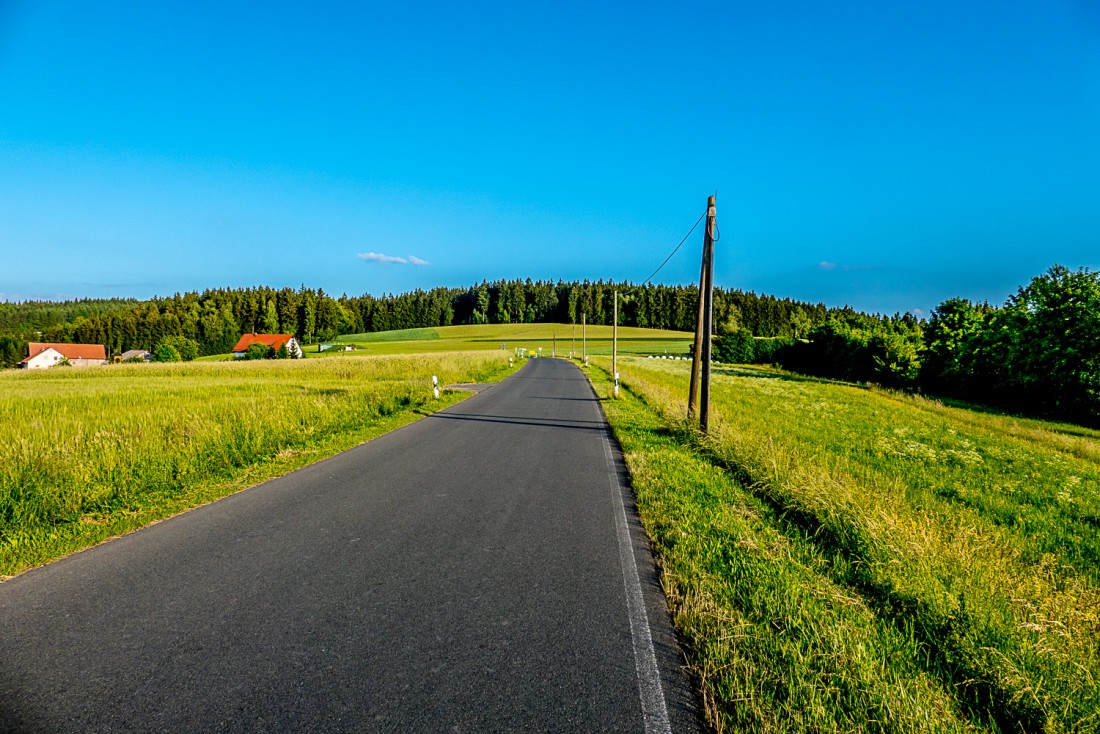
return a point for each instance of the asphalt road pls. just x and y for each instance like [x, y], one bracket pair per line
[480, 570]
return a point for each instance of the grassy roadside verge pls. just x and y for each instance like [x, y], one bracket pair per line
[776, 644]
[87, 454]
[840, 560]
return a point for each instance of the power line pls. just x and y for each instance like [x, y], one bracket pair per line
[701, 218]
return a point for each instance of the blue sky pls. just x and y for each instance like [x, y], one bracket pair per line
[881, 155]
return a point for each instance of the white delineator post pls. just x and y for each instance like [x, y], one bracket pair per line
[435, 386]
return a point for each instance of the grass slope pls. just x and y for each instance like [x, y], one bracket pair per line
[89, 453]
[843, 559]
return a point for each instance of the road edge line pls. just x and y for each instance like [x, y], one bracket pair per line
[650, 692]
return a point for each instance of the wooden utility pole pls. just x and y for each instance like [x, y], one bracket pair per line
[584, 338]
[708, 323]
[700, 359]
[615, 337]
[615, 343]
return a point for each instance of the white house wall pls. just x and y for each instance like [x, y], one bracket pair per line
[44, 359]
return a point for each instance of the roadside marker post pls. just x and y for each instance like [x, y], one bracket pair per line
[616, 384]
[435, 386]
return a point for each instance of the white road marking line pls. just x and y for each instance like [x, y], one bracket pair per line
[652, 696]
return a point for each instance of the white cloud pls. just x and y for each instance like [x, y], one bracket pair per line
[826, 265]
[378, 257]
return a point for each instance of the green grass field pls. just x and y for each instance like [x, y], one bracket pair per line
[846, 559]
[526, 336]
[552, 338]
[88, 453]
[837, 558]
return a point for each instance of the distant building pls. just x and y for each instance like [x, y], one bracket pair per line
[43, 355]
[275, 341]
[126, 356]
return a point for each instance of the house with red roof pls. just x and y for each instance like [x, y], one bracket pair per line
[46, 354]
[275, 341]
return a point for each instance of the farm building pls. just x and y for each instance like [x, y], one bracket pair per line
[132, 354]
[272, 340]
[43, 355]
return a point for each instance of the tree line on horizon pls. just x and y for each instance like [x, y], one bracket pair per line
[215, 319]
[1039, 353]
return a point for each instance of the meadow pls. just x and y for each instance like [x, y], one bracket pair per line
[837, 557]
[89, 453]
[551, 338]
[842, 558]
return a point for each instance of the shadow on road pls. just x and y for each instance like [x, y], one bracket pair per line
[524, 421]
[576, 400]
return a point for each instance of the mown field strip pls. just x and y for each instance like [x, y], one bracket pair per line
[88, 453]
[845, 559]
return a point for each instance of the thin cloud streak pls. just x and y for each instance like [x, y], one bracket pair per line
[378, 257]
[826, 265]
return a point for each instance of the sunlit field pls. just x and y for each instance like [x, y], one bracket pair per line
[559, 339]
[87, 453]
[840, 558]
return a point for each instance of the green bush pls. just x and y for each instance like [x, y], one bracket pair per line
[166, 353]
[738, 347]
[772, 351]
[887, 353]
[187, 349]
[259, 351]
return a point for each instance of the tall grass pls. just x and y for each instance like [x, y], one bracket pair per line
[86, 453]
[969, 539]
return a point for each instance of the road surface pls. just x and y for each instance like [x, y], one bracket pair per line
[479, 570]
